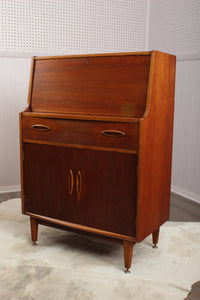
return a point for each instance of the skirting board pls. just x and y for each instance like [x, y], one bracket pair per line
[174, 189]
[10, 188]
[186, 194]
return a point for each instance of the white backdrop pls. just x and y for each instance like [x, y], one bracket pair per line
[72, 26]
[44, 27]
[174, 27]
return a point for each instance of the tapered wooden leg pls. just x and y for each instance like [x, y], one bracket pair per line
[128, 251]
[34, 230]
[155, 236]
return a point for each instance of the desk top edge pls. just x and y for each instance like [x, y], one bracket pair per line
[138, 53]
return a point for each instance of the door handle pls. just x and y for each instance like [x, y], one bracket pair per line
[40, 127]
[113, 133]
[79, 183]
[71, 181]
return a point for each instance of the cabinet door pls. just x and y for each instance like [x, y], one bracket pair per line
[107, 182]
[48, 179]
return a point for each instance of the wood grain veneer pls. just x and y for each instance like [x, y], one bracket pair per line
[96, 144]
[94, 207]
[155, 141]
[82, 132]
[56, 223]
[87, 117]
[98, 85]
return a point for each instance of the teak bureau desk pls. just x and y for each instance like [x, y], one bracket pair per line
[96, 144]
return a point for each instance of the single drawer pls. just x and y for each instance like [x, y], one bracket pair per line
[76, 132]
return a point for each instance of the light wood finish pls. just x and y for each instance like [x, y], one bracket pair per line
[40, 127]
[79, 184]
[103, 163]
[71, 181]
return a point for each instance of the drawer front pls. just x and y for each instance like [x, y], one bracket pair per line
[90, 133]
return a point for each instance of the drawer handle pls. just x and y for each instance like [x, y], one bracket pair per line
[113, 133]
[40, 127]
[79, 183]
[71, 181]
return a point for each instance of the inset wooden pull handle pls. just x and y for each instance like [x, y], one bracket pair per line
[40, 127]
[79, 183]
[113, 133]
[71, 181]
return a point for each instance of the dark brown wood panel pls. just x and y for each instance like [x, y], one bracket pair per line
[155, 150]
[82, 132]
[46, 181]
[100, 181]
[112, 85]
[109, 190]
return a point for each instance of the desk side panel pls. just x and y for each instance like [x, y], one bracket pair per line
[155, 147]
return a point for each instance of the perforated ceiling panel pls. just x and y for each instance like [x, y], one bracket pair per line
[174, 26]
[72, 26]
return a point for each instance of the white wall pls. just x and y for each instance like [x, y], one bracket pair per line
[72, 26]
[75, 26]
[174, 27]
[14, 78]
[186, 147]
[55, 27]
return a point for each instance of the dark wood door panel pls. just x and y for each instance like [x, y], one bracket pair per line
[46, 181]
[109, 190]
[104, 186]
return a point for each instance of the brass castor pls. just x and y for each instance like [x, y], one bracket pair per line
[127, 271]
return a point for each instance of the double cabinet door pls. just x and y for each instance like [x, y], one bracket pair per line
[89, 187]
